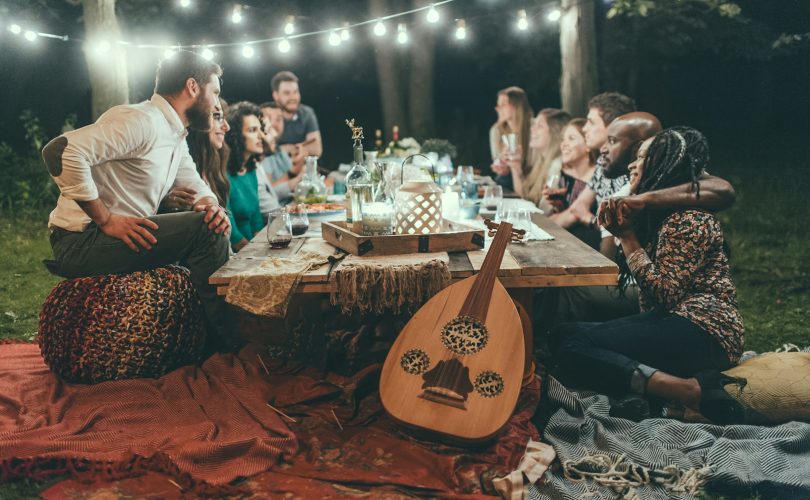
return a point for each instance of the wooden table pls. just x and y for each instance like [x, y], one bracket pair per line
[563, 261]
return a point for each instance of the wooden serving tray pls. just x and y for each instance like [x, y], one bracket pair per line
[455, 237]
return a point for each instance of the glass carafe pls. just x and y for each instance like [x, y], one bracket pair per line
[312, 188]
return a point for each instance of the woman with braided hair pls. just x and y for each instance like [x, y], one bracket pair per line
[689, 327]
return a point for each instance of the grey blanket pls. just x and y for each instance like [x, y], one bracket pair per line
[771, 461]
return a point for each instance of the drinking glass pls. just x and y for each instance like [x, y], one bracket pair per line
[520, 218]
[279, 230]
[510, 143]
[299, 220]
[557, 189]
[493, 197]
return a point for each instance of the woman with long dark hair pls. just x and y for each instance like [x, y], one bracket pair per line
[689, 327]
[246, 143]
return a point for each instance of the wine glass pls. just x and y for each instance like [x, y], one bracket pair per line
[279, 229]
[557, 189]
[492, 199]
[299, 220]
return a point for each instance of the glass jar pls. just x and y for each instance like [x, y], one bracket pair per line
[418, 204]
[312, 188]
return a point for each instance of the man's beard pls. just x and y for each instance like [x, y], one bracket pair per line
[289, 109]
[198, 117]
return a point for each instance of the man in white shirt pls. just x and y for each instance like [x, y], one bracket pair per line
[113, 174]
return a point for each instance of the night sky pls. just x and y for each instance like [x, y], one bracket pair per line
[720, 85]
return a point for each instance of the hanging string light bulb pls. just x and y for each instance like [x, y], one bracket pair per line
[523, 20]
[334, 38]
[168, 53]
[344, 33]
[15, 28]
[289, 26]
[236, 15]
[31, 36]
[461, 29]
[185, 4]
[207, 53]
[402, 34]
[432, 15]
[284, 46]
[554, 15]
[379, 28]
[247, 51]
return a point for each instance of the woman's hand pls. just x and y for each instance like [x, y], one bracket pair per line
[178, 200]
[616, 217]
[500, 168]
[555, 198]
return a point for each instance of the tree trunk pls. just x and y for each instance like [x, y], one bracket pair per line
[108, 71]
[386, 56]
[420, 95]
[578, 52]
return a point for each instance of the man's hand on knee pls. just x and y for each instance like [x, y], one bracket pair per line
[215, 216]
[130, 230]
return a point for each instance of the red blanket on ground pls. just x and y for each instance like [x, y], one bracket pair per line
[204, 429]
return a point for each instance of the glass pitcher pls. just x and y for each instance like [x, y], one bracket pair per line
[312, 188]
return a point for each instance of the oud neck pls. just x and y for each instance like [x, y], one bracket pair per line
[477, 303]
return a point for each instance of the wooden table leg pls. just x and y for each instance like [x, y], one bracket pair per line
[524, 301]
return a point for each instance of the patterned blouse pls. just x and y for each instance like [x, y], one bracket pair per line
[690, 277]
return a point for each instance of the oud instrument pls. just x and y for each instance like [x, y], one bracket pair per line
[457, 366]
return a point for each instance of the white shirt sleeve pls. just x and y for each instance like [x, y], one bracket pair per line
[121, 132]
[188, 177]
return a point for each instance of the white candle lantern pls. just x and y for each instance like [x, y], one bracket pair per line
[418, 204]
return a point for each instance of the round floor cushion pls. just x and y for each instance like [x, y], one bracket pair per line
[111, 327]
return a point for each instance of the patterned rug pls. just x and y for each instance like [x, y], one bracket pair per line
[209, 430]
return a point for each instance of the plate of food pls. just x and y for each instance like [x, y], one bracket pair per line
[316, 209]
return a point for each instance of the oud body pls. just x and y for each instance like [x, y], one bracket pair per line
[456, 368]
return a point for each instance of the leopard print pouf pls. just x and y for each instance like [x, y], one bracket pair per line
[111, 327]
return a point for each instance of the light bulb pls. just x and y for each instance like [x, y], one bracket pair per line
[236, 16]
[554, 15]
[379, 28]
[185, 4]
[402, 34]
[289, 26]
[284, 46]
[344, 33]
[247, 51]
[432, 15]
[207, 53]
[168, 54]
[461, 29]
[334, 38]
[102, 47]
[15, 28]
[523, 21]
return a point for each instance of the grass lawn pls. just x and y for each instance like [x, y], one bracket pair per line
[767, 230]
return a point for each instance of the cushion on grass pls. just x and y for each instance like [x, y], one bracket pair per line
[777, 389]
[111, 327]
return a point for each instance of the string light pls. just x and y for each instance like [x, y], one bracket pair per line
[101, 47]
[284, 46]
[461, 29]
[207, 53]
[289, 26]
[15, 28]
[554, 15]
[185, 4]
[247, 51]
[379, 28]
[30, 35]
[344, 33]
[168, 53]
[402, 34]
[432, 15]
[523, 21]
[334, 38]
[236, 15]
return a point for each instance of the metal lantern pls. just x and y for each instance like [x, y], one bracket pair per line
[418, 204]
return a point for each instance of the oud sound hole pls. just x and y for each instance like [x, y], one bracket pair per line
[415, 361]
[465, 335]
[488, 384]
